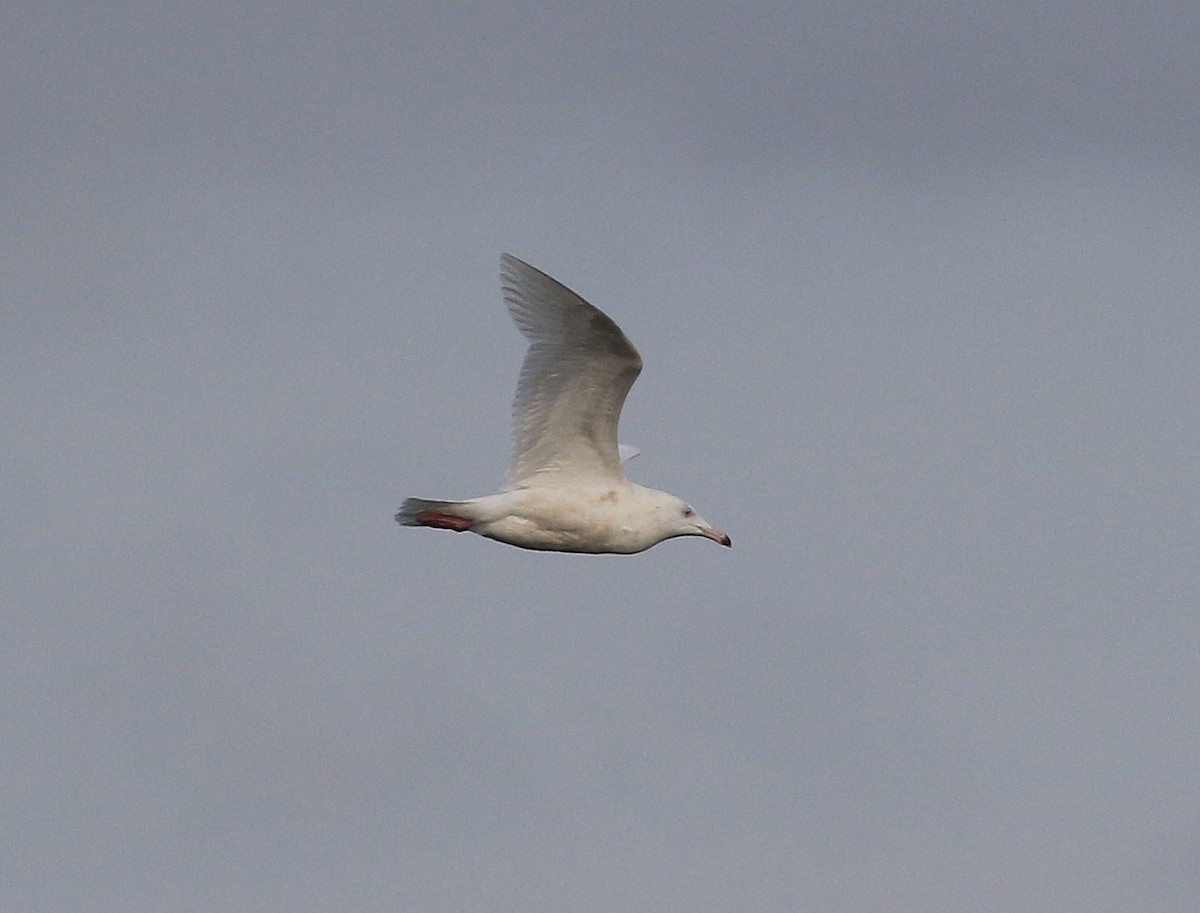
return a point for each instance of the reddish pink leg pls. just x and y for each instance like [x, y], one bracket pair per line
[444, 521]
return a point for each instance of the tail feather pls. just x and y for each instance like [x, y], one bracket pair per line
[438, 514]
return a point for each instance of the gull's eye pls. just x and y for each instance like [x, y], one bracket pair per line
[688, 512]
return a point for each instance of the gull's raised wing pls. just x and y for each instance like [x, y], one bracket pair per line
[576, 374]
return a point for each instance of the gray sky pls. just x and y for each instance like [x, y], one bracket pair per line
[916, 288]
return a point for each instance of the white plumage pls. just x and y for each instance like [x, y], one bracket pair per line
[566, 490]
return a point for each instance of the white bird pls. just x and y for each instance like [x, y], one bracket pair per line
[566, 490]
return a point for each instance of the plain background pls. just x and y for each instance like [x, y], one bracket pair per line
[916, 289]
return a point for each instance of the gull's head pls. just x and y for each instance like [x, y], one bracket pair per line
[677, 518]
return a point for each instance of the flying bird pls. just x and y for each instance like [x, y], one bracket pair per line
[566, 490]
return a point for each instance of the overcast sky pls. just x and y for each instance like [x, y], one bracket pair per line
[917, 287]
